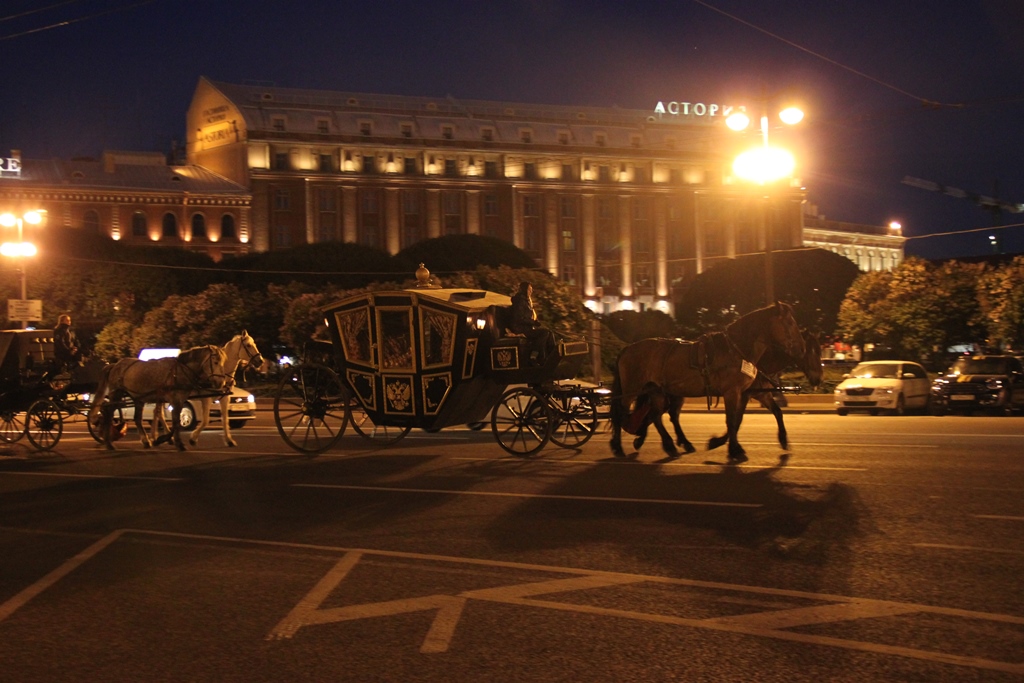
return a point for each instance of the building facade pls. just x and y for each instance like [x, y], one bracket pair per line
[135, 197]
[870, 247]
[624, 204]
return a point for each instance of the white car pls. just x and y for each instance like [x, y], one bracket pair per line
[894, 386]
[242, 406]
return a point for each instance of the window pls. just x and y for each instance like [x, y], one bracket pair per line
[491, 169]
[169, 226]
[91, 221]
[325, 163]
[451, 169]
[639, 175]
[674, 176]
[487, 134]
[568, 173]
[369, 164]
[604, 174]
[406, 129]
[568, 240]
[409, 164]
[282, 236]
[199, 226]
[452, 204]
[138, 224]
[327, 200]
[281, 161]
[600, 139]
[712, 240]
[411, 223]
[227, 227]
[490, 205]
[526, 135]
[447, 132]
[530, 206]
[370, 234]
[278, 123]
[366, 128]
[530, 170]
[282, 200]
[568, 207]
[323, 126]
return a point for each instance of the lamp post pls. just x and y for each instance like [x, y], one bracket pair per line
[20, 249]
[765, 165]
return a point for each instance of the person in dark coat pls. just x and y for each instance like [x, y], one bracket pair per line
[65, 345]
[524, 322]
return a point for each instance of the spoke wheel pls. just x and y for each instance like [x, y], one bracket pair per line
[116, 423]
[575, 420]
[521, 421]
[378, 435]
[44, 424]
[311, 408]
[12, 425]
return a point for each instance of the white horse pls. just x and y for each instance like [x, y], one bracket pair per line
[166, 380]
[241, 351]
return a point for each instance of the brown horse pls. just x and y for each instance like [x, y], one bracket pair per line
[165, 380]
[718, 364]
[654, 403]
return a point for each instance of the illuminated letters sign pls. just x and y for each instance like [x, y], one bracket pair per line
[699, 109]
[221, 134]
[10, 166]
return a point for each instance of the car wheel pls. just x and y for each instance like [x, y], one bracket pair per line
[842, 412]
[873, 411]
[901, 406]
[236, 424]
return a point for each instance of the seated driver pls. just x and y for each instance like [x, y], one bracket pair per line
[524, 322]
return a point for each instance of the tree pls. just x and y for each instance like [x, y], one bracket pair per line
[631, 326]
[814, 281]
[1001, 299]
[455, 253]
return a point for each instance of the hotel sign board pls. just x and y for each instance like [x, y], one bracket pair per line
[10, 167]
[25, 310]
[697, 109]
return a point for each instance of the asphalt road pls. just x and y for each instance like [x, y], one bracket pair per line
[874, 549]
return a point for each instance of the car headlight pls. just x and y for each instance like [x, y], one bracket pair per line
[994, 384]
[884, 390]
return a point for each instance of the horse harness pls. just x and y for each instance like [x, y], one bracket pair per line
[193, 379]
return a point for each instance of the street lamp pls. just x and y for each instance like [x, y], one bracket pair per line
[764, 165]
[21, 248]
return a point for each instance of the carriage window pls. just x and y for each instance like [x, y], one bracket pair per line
[438, 337]
[395, 339]
[354, 328]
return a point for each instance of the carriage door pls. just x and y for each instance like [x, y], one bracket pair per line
[396, 353]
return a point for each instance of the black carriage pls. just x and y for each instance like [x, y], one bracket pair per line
[35, 393]
[431, 358]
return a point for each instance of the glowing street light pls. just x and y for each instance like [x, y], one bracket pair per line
[20, 249]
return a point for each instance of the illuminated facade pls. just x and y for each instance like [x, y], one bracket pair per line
[870, 247]
[134, 197]
[625, 204]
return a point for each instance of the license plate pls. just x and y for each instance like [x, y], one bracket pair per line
[855, 399]
[961, 397]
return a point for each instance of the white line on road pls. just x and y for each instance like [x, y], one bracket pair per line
[69, 475]
[1010, 518]
[602, 499]
[746, 466]
[968, 548]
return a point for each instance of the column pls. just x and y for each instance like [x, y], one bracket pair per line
[661, 245]
[433, 213]
[552, 233]
[588, 239]
[392, 217]
[626, 245]
[473, 212]
[350, 214]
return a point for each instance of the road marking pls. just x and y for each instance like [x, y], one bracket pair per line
[438, 638]
[505, 494]
[633, 462]
[969, 548]
[69, 475]
[1011, 518]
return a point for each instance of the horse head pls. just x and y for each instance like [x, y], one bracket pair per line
[247, 353]
[207, 365]
[810, 362]
[784, 332]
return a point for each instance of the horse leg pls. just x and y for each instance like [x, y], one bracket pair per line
[202, 419]
[667, 444]
[735, 405]
[615, 414]
[143, 434]
[768, 401]
[675, 406]
[177, 404]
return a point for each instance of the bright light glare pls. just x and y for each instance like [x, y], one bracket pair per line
[764, 165]
[8, 220]
[16, 249]
[33, 217]
[737, 121]
[791, 116]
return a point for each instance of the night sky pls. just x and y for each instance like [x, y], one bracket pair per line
[927, 88]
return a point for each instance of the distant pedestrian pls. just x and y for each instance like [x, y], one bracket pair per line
[66, 351]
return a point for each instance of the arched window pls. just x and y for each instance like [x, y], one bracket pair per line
[198, 226]
[138, 224]
[91, 221]
[227, 227]
[170, 226]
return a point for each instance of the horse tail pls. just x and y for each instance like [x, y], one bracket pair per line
[617, 410]
[101, 392]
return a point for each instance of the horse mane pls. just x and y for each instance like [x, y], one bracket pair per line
[745, 330]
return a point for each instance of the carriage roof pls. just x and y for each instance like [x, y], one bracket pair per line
[461, 299]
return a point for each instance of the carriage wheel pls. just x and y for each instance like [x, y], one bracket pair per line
[12, 425]
[311, 408]
[575, 420]
[116, 423]
[378, 435]
[44, 424]
[521, 421]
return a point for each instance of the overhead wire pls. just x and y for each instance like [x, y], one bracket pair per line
[76, 20]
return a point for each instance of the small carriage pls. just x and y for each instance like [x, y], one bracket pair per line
[34, 396]
[431, 358]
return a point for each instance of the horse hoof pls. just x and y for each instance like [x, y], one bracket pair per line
[737, 458]
[688, 447]
[637, 443]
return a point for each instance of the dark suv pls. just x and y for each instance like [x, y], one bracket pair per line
[992, 383]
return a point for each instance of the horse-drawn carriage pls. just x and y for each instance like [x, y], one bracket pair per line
[430, 358]
[35, 392]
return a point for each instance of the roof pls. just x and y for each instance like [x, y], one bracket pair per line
[470, 300]
[145, 172]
